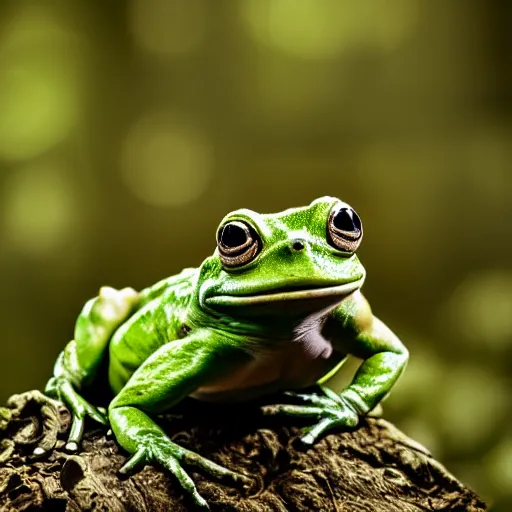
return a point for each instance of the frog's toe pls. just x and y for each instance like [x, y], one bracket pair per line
[200, 501]
[71, 447]
[307, 440]
[333, 419]
[103, 412]
[311, 434]
[301, 411]
[186, 483]
[163, 454]
[171, 463]
[84, 408]
[76, 433]
[138, 459]
[216, 470]
[39, 452]
[98, 415]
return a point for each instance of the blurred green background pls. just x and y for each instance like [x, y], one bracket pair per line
[129, 129]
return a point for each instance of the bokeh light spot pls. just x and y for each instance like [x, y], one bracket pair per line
[168, 27]
[475, 395]
[480, 309]
[38, 83]
[313, 29]
[38, 110]
[499, 465]
[165, 162]
[38, 209]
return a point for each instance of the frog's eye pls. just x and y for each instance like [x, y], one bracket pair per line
[344, 229]
[238, 244]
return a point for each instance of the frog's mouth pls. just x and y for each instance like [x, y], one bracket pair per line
[286, 294]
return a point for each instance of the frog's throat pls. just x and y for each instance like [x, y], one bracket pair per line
[265, 298]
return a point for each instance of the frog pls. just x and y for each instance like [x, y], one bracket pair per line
[277, 308]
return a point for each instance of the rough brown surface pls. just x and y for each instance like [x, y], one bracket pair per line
[374, 468]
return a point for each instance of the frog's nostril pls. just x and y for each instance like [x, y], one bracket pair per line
[298, 245]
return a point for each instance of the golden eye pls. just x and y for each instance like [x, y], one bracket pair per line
[238, 244]
[344, 229]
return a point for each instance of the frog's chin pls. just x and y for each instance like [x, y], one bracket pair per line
[327, 293]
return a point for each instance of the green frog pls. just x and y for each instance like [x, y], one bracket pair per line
[276, 308]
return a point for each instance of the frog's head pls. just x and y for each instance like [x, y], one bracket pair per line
[299, 258]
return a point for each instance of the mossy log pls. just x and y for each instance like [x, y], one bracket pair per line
[372, 468]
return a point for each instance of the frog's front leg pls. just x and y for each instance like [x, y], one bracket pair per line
[77, 364]
[353, 330]
[166, 377]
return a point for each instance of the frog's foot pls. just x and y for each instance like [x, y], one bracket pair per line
[332, 411]
[162, 450]
[79, 408]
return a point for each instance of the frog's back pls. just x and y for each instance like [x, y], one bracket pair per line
[158, 320]
[180, 284]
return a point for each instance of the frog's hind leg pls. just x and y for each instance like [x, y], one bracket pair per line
[77, 365]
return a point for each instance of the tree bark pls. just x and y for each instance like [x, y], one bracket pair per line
[372, 468]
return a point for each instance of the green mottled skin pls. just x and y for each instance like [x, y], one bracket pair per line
[280, 322]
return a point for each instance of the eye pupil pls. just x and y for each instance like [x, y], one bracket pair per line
[233, 236]
[346, 220]
[238, 244]
[344, 229]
